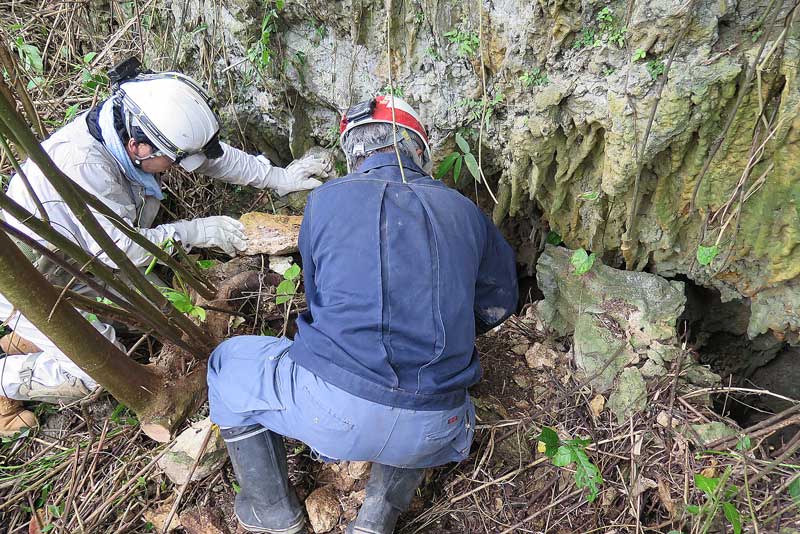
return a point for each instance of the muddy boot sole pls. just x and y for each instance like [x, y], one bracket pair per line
[296, 528]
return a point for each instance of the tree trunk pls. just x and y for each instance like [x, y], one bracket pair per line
[160, 402]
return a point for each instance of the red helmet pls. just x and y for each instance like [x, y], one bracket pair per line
[379, 109]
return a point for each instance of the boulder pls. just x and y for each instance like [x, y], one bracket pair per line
[323, 509]
[271, 234]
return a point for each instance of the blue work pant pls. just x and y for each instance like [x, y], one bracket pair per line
[252, 380]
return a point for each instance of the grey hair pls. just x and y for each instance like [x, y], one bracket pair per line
[378, 133]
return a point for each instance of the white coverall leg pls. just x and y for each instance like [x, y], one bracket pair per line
[47, 376]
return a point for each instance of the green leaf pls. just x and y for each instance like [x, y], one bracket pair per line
[71, 112]
[794, 491]
[706, 484]
[639, 54]
[48, 528]
[457, 168]
[462, 143]
[446, 165]
[693, 509]
[582, 261]
[705, 255]
[587, 475]
[89, 57]
[743, 444]
[206, 264]
[31, 56]
[589, 195]
[54, 510]
[472, 165]
[198, 312]
[733, 515]
[563, 456]
[551, 441]
[292, 273]
[553, 238]
[92, 318]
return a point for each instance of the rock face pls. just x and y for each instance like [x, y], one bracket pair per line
[571, 134]
[623, 324]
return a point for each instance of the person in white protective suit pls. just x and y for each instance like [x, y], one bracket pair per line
[116, 152]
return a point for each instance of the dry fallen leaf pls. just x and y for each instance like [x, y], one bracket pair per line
[666, 498]
[597, 404]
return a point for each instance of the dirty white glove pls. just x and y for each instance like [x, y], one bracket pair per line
[297, 176]
[218, 231]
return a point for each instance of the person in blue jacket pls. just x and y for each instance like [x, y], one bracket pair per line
[401, 272]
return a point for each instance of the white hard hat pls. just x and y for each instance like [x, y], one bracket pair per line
[175, 113]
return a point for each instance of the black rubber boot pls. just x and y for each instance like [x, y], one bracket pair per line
[389, 494]
[265, 502]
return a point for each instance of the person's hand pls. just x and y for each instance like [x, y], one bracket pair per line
[297, 176]
[218, 231]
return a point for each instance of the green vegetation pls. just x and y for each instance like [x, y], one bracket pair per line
[573, 451]
[582, 261]
[534, 77]
[639, 54]
[706, 255]
[288, 287]
[656, 68]
[455, 160]
[260, 54]
[397, 91]
[474, 108]
[467, 41]
[608, 29]
[717, 495]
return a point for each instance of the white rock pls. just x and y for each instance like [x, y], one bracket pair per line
[280, 264]
[178, 461]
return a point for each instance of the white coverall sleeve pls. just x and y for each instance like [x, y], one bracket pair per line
[94, 178]
[238, 167]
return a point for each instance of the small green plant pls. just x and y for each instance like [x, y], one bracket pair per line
[639, 54]
[589, 196]
[457, 159]
[572, 451]
[182, 302]
[419, 17]
[432, 53]
[474, 108]
[31, 62]
[398, 91]
[718, 495]
[582, 261]
[705, 255]
[608, 29]
[260, 54]
[287, 289]
[534, 77]
[467, 41]
[553, 238]
[756, 35]
[608, 71]
[89, 80]
[656, 68]
[123, 416]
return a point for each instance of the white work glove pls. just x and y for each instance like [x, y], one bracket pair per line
[297, 175]
[219, 231]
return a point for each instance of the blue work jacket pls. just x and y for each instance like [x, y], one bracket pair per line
[396, 277]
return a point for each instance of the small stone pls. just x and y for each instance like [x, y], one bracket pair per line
[597, 404]
[539, 357]
[158, 517]
[280, 264]
[629, 395]
[359, 470]
[203, 521]
[709, 432]
[178, 461]
[521, 380]
[520, 349]
[323, 509]
[663, 419]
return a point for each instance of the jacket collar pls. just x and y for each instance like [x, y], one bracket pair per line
[388, 159]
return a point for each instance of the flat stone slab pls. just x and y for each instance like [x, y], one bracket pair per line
[271, 234]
